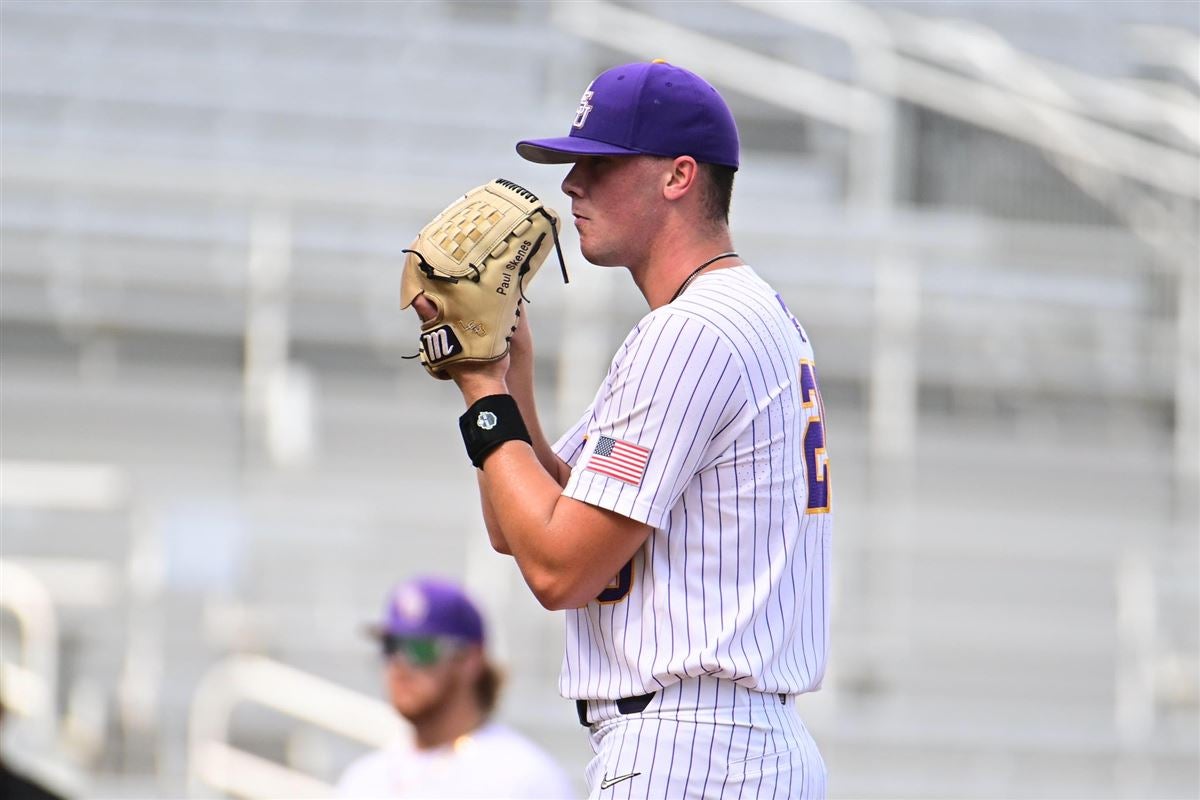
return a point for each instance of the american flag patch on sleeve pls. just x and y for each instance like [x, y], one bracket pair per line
[617, 459]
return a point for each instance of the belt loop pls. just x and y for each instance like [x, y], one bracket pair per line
[634, 705]
[581, 710]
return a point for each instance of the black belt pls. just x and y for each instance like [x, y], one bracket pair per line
[632, 705]
[626, 705]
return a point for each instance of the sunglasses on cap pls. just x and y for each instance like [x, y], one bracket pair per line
[420, 651]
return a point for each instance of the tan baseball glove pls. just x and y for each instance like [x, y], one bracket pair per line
[474, 261]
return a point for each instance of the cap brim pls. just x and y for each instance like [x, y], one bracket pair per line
[566, 149]
[377, 632]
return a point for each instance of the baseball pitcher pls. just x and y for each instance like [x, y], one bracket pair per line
[684, 522]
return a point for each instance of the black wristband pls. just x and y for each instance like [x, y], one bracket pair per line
[489, 422]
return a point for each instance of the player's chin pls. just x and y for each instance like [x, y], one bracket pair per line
[599, 256]
[415, 705]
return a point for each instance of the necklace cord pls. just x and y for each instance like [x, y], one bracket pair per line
[697, 271]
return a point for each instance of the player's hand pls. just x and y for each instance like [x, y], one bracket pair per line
[520, 352]
[473, 380]
[520, 347]
[424, 307]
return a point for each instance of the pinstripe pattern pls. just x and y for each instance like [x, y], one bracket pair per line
[705, 738]
[733, 582]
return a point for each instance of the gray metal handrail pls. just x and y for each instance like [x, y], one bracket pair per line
[248, 679]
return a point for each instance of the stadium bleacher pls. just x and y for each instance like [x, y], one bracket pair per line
[1016, 563]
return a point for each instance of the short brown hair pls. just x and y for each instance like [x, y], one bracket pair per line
[487, 687]
[718, 191]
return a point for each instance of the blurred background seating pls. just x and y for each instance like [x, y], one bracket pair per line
[984, 213]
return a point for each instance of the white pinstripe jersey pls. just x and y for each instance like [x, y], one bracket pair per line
[733, 581]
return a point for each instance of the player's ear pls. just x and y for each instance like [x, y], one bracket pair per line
[683, 177]
[473, 661]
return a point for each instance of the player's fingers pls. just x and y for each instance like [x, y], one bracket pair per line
[425, 308]
[521, 336]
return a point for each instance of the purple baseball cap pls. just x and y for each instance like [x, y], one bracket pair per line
[650, 108]
[430, 607]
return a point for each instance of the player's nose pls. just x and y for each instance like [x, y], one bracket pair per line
[572, 185]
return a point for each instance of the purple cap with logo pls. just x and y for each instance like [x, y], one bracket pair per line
[430, 607]
[645, 108]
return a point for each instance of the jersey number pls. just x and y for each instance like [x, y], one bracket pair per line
[816, 460]
[618, 588]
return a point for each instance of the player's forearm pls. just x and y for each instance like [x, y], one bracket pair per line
[520, 385]
[495, 533]
[550, 462]
[518, 382]
[523, 518]
[520, 497]
[497, 518]
[524, 498]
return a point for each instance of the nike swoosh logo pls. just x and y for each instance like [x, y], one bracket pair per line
[607, 782]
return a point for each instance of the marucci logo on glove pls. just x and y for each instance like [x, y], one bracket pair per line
[440, 343]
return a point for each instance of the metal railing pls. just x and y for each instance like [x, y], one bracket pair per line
[30, 674]
[214, 763]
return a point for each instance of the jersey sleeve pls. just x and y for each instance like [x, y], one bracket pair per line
[570, 444]
[674, 399]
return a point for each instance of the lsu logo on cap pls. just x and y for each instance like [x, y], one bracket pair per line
[585, 108]
[411, 605]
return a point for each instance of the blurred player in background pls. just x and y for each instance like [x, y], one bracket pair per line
[439, 678]
[684, 521]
